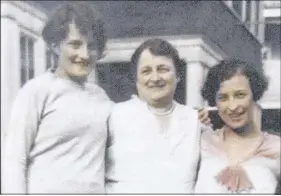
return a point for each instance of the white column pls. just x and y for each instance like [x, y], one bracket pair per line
[253, 16]
[262, 22]
[195, 77]
[10, 66]
[39, 57]
[244, 10]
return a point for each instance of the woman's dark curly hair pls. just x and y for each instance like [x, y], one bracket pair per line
[86, 18]
[225, 70]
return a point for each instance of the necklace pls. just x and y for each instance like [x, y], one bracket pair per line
[162, 111]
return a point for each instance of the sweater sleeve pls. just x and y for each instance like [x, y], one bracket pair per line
[19, 140]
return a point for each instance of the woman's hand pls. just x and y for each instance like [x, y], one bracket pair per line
[203, 116]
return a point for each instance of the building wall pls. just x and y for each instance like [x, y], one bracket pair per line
[169, 18]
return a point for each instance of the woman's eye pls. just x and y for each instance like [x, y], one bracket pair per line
[241, 95]
[145, 71]
[75, 45]
[221, 97]
[164, 70]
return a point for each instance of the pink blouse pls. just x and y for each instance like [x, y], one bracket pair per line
[258, 173]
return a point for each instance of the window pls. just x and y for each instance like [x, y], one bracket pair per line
[257, 17]
[271, 120]
[51, 59]
[181, 90]
[248, 13]
[237, 6]
[115, 78]
[205, 73]
[27, 58]
[272, 40]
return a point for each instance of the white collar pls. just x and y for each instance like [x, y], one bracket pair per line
[157, 111]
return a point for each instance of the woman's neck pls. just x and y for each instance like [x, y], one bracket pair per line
[245, 133]
[77, 80]
[163, 110]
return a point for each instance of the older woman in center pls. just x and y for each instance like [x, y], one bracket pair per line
[153, 142]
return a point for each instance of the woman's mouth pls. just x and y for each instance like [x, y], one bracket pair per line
[82, 64]
[236, 117]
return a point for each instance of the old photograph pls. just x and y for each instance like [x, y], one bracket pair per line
[140, 97]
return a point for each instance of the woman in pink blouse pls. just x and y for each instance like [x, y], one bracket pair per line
[239, 157]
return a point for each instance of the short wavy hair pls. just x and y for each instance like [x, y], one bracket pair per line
[228, 68]
[86, 18]
[158, 47]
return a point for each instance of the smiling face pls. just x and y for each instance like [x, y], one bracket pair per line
[156, 79]
[234, 101]
[78, 54]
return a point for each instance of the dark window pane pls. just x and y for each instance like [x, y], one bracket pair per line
[23, 76]
[116, 80]
[23, 59]
[257, 17]
[27, 58]
[180, 93]
[237, 6]
[48, 59]
[248, 12]
[55, 61]
[271, 120]
[30, 58]
[273, 39]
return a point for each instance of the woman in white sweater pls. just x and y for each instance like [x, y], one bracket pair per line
[153, 142]
[57, 134]
[239, 157]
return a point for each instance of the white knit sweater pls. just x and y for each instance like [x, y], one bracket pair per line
[56, 138]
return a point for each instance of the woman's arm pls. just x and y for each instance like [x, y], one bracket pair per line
[18, 142]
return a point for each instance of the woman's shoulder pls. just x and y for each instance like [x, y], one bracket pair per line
[126, 108]
[36, 85]
[185, 108]
[211, 134]
[98, 91]
[272, 141]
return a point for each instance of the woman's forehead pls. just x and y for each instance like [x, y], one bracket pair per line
[238, 82]
[75, 33]
[148, 58]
